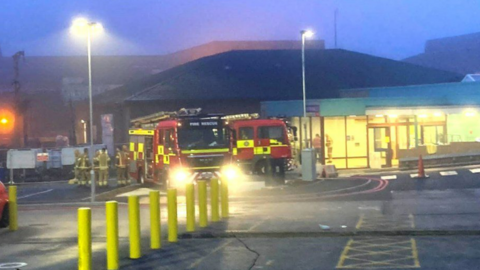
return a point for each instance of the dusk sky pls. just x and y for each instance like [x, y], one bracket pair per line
[388, 28]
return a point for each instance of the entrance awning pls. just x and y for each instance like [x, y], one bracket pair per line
[422, 110]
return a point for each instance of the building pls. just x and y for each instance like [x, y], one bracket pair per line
[458, 54]
[239, 81]
[50, 83]
[391, 126]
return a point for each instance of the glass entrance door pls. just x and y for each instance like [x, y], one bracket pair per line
[380, 147]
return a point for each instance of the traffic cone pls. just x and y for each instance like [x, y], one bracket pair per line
[421, 169]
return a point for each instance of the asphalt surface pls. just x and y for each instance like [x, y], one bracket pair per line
[355, 223]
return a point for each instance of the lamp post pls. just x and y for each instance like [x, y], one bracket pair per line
[84, 27]
[305, 34]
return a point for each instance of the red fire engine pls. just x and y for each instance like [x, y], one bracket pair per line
[174, 147]
[261, 146]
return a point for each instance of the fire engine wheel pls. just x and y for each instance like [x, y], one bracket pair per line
[4, 221]
[261, 167]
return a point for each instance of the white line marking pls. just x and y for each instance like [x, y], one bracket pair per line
[33, 194]
[389, 177]
[414, 175]
[475, 170]
[448, 173]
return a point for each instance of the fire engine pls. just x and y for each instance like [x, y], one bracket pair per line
[260, 146]
[174, 147]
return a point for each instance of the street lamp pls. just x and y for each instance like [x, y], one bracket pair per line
[84, 27]
[305, 34]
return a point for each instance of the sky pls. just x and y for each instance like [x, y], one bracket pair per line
[387, 28]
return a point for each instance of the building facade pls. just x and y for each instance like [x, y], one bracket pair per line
[383, 127]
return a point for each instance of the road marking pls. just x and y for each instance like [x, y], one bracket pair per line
[378, 252]
[414, 175]
[475, 170]
[415, 252]
[34, 194]
[360, 222]
[389, 177]
[448, 173]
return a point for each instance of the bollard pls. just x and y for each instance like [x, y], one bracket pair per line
[225, 203]
[84, 239]
[190, 201]
[214, 199]
[12, 208]
[155, 242]
[202, 203]
[172, 215]
[112, 234]
[134, 219]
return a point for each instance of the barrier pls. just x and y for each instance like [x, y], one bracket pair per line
[155, 229]
[190, 201]
[134, 220]
[224, 195]
[202, 203]
[172, 215]
[84, 239]
[214, 200]
[12, 208]
[112, 234]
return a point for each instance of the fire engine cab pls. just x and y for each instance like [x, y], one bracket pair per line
[175, 147]
[260, 146]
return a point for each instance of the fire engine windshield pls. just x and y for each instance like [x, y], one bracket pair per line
[203, 137]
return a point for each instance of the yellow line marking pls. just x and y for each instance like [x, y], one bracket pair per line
[343, 257]
[415, 252]
[360, 222]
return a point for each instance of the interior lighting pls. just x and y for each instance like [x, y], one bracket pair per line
[437, 114]
[423, 116]
[470, 114]
[379, 115]
[393, 116]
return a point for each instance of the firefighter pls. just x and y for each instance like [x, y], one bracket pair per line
[96, 168]
[84, 168]
[103, 160]
[126, 160]
[76, 169]
[121, 167]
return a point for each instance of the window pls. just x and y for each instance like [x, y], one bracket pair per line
[274, 133]
[169, 143]
[245, 133]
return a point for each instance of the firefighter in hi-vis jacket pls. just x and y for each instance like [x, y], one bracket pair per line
[121, 165]
[103, 160]
[84, 168]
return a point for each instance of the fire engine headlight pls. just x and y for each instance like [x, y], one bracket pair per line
[231, 172]
[180, 175]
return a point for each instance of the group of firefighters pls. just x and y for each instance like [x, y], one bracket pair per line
[100, 166]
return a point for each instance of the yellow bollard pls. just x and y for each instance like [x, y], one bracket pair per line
[12, 208]
[84, 239]
[112, 235]
[172, 215]
[155, 242]
[202, 203]
[214, 199]
[134, 219]
[225, 203]
[190, 201]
